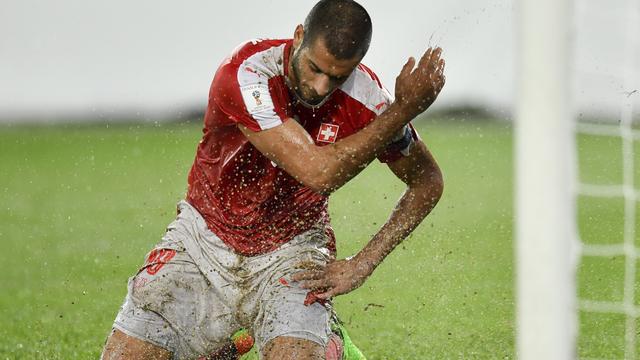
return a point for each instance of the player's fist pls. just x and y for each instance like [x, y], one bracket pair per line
[417, 87]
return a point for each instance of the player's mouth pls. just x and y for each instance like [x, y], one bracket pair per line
[309, 97]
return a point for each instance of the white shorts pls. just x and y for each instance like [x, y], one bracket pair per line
[194, 292]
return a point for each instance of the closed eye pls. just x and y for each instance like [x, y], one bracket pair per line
[315, 69]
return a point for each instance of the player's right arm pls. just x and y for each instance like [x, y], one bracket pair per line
[326, 168]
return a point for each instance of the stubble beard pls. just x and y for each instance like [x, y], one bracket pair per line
[296, 87]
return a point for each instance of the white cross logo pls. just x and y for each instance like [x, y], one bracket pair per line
[328, 133]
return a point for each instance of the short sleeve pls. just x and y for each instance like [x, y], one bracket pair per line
[401, 145]
[365, 88]
[249, 97]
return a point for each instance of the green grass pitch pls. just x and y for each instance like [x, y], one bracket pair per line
[81, 205]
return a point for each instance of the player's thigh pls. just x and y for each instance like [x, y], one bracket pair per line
[121, 346]
[283, 312]
[171, 303]
[292, 348]
[200, 312]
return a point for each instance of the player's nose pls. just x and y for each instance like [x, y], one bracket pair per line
[322, 85]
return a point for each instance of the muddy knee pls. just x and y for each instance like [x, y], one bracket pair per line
[291, 348]
[122, 346]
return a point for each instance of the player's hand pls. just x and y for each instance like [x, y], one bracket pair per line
[336, 278]
[417, 87]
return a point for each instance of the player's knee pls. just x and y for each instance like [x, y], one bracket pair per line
[291, 348]
[122, 346]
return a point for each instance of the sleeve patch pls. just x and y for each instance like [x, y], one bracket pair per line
[256, 98]
[259, 104]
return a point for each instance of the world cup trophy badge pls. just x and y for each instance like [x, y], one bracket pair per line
[256, 95]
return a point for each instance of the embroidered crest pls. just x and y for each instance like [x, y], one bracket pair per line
[328, 133]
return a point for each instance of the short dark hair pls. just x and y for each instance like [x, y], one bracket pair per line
[344, 25]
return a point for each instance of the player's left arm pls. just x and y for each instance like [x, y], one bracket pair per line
[422, 175]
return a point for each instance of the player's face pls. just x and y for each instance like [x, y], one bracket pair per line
[316, 73]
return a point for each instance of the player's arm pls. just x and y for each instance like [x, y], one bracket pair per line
[425, 185]
[424, 182]
[326, 168]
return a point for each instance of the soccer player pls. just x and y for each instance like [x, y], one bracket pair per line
[288, 122]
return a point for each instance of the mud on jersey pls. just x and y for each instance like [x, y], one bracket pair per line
[251, 204]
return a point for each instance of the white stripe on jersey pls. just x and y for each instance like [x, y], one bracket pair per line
[253, 78]
[361, 87]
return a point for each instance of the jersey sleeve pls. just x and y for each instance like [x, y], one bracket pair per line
[365, 88]
[400, 146]
[249, 96]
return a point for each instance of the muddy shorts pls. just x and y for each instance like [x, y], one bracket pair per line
[194, 292]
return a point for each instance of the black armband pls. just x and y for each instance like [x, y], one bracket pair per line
[403, 143]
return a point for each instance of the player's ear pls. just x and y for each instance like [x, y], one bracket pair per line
[298, 36]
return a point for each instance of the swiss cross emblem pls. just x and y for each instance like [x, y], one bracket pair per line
[328, 133]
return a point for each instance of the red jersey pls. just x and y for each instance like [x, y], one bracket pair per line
[247, 201]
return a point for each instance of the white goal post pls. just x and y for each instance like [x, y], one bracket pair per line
[545, 172]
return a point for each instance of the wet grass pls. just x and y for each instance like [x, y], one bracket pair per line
[81, 205]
